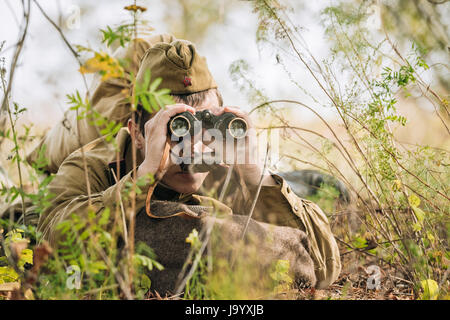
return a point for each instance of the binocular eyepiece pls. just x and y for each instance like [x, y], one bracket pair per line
[182, 124]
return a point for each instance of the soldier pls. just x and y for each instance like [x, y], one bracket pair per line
[299, 229]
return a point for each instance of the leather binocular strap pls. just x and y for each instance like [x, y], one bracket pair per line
[158, 177]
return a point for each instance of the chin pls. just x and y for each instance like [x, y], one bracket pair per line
[184, 182]
[185, 189]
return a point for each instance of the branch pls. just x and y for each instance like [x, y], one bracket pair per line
[75, 54]
[72, 50]
[258, 190]
[19, 47]
[77, 57]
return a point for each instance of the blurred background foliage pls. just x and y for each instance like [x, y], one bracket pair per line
[383, 65]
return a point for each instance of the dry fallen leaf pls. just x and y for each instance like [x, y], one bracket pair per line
[17, 247]
[9, 286]
[41, 253]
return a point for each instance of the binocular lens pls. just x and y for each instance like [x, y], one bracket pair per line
[238, 128]
[180, 126]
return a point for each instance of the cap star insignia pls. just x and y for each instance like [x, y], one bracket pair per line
[187, 81]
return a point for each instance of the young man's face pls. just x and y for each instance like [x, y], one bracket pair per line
[185, 182]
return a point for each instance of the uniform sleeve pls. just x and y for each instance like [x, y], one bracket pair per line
[69, 188]
[281, 206]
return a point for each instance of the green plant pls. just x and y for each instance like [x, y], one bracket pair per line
[402, 192]
[89, 246]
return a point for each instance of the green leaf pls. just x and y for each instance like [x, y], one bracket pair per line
[167, 100]
[84, 235]
[163, 92]
[3, 261]
[430, 289]
[155, 84]
[414, 200]
[145, 283]
[359, 242]
[420, 215]
[104, 217]
[281, 273]
[8, 274]
[26, 256]
[96, 266]
[154, 104]
[147, 77]
[417, 227]
[146, 262]
[282, 266]
[145, 103]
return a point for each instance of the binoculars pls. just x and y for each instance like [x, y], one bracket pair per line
[182, 124]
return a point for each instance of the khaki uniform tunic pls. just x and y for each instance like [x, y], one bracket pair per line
[276, 204]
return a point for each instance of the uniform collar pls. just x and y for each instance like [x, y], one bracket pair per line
[164, 192]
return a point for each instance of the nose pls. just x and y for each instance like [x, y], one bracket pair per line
[203, 142]
[199, 146]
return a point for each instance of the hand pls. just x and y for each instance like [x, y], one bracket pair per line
[156, 137]
[271, 242]
[251, 170]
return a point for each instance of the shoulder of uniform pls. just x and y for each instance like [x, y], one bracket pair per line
[97, 151]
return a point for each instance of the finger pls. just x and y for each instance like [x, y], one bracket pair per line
[239, 113]
[164, 115]
[236, 111]
[174, 109]
[177, 105]
[218, 111]
[233, 109]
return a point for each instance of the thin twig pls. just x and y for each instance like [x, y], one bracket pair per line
[124, 222]
[123, 286]
[16, 148]
[258, 190]
[76, 56]
[74, 52]
[132, 216]
[15, 59]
